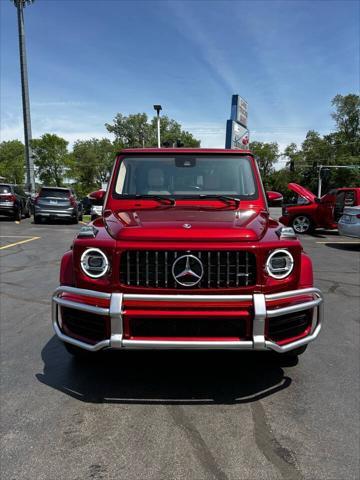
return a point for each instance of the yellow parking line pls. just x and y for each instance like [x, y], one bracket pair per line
[330, 241]
[19, 243]
[84, 223]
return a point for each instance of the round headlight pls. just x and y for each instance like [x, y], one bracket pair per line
[279, 264]
[94, 263]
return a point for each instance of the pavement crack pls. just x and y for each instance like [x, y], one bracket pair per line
[282, 458]
[202, 451]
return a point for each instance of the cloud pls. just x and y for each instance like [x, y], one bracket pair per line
[211, 54]
[63, 127]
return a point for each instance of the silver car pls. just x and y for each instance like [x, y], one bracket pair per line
[349, 222]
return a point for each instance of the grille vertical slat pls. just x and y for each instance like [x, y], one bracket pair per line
[166, 268]
[218, 269]
[227, 269]
[157, 269]
[137, 269]
[147, 268]
[209, 269]
[237, 269]
[246, 268]
[221, 269]
[128, 268]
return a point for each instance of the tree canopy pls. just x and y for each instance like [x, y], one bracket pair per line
[12, 161]
[51, 159]
[91, 163]
[134, 131]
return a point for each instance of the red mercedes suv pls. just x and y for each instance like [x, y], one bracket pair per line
[186, 256]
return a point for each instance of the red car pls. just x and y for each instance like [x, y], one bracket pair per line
[310, 212]
[186, 256]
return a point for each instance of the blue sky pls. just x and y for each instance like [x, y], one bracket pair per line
[90, 59]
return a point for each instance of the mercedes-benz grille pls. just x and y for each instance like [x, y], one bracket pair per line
[220, 269]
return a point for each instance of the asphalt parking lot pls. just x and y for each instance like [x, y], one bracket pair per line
[178, 415]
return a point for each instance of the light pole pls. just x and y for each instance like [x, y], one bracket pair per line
[158, 108]
[30, 177]
[328, 167]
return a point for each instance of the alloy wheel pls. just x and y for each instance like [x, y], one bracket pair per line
[301, 224]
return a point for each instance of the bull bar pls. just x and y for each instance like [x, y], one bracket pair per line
[258, 342]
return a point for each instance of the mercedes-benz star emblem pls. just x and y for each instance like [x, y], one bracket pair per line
[187, 270]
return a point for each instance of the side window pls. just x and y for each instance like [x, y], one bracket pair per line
[349, 198]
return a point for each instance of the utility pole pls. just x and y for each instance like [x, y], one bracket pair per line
[158, 108]
[319, 181]
[30, 177]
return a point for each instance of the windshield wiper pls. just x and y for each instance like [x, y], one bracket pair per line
[162, 200]
[224, 198]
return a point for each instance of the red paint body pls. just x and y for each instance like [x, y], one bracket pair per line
[147, 225]
[323, 212]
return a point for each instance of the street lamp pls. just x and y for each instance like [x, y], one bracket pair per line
[30, 177]
[158, 108]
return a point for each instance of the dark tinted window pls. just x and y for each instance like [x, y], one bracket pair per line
[5, 189]
[54, 192]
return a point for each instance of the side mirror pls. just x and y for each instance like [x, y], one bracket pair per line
[274, 198]
[98, 195]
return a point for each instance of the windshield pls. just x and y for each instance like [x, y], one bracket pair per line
[185, 176]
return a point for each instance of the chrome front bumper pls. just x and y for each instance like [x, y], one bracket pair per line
[258, 342]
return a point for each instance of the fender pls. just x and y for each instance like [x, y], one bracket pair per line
[306, 272]
[67, 276]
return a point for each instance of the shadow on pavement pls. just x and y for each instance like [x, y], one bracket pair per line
[165, 377]
[351, 247]
[323, 233]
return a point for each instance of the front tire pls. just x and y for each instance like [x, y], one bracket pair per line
[302, 224]
[18, 215]
[37, 219]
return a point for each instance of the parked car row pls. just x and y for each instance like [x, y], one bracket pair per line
[340, 208]
[50, 203]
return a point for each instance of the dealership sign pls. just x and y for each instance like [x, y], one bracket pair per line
[237, 133]
[239, 110]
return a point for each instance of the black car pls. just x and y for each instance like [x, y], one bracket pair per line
[56, 203]
[14, 202]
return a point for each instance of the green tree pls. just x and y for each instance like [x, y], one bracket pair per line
[91, 163]
[171, 133]
[294, 157]
[134, 131]
[131, 131]
[347, 119]
[51, 159]
[12, 161]
[267, 154]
